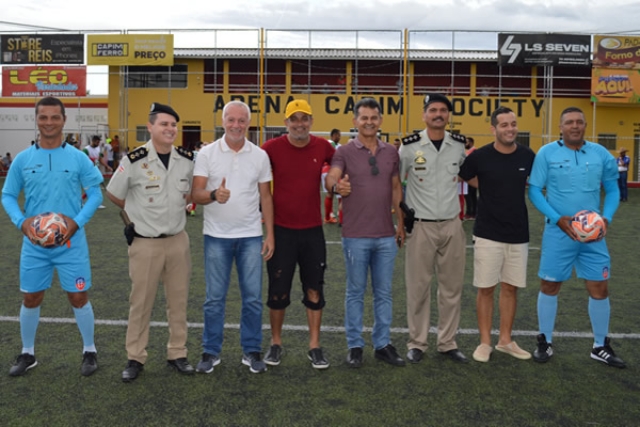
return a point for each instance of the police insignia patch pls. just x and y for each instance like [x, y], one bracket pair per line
[185, 153]
[138, 154]
[411, 139]
[459, 137]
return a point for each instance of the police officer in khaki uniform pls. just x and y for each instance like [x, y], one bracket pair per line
[152, 184]
[431, 160]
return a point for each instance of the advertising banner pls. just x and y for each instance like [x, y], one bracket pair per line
[615, 86]
[616, 51]
[33, 81]
[42, 49]
[544, 49]
[130, 49]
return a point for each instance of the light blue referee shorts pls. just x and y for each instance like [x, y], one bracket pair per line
[71, 261]
[560, 254]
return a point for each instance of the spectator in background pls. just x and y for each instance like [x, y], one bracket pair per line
[6, 161]
[108, 153]
[623, 169]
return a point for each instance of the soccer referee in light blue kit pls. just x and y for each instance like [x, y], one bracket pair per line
[52, 175]
[572, 170]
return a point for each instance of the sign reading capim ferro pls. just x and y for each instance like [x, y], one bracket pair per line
[130, 49]
[544, 49]
[42, 49]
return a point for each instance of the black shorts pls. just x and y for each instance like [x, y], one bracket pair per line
[305, 248]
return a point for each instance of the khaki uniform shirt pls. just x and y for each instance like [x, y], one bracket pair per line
[155, 197]
[432, 175]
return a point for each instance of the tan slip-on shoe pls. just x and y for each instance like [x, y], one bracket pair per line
[482, 353]
[512, 349]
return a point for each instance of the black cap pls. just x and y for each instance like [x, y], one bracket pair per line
[436, 97]
[161, 108]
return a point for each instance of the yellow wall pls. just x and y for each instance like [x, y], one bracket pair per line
[471, 116]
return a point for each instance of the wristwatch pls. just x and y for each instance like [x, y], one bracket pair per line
[213, 195]
[334, 188]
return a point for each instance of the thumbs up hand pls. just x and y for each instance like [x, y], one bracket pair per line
[222, 193]
[344, 186]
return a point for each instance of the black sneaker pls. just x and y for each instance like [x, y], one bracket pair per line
[24, 362]
[317, 358]
[606, 355]
[274, 355]
[205, 366]
[254, 362]
[89, 363]
[543, 351]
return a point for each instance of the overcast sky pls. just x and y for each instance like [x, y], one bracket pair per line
[585, 16]
[569, 16]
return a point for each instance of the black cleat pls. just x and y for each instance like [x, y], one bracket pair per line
[606, 355]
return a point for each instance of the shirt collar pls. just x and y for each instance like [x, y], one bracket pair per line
[359, 144]
[246, 148]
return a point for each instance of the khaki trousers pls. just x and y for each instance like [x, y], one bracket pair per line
[435, 248]
[152, 261]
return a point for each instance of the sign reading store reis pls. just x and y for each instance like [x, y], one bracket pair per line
[42, 49]
[32, 81]
[543, 49]
[130, 49]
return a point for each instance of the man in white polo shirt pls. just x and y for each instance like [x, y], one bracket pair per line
[232, 179]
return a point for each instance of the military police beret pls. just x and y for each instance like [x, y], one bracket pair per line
[436, 97]
[161, 108]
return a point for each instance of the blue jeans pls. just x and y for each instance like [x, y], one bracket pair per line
[622, 185]
[218, 256]
[362, 255]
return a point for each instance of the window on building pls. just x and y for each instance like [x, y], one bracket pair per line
[607, 140]
[523, 138]
[174, 77]
[508, 81]
[442, 77]
[142, 134]
[213, 75]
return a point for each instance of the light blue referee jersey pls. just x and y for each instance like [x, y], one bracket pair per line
[573, 178]
[52, 180]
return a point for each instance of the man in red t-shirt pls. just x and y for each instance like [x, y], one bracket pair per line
[296, 163]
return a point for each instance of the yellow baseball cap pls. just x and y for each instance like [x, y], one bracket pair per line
[297, 106]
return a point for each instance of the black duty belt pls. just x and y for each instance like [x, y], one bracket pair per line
[162, 236]
[432, 220]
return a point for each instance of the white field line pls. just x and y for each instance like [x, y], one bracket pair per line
[336, 329]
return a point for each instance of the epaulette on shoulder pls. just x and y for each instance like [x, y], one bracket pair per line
[137, 154]
[185, 153]
[459, 137]
[411, 139]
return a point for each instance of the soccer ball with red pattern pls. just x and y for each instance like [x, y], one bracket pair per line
[49, 229]
[589, 226]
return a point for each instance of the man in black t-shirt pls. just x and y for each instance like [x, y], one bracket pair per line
[501, 231]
